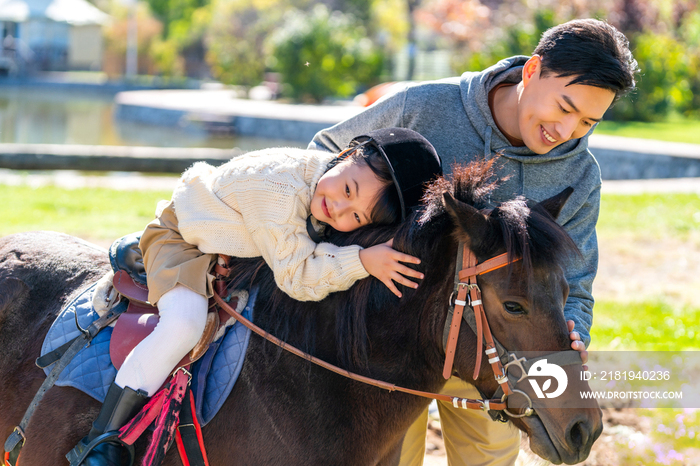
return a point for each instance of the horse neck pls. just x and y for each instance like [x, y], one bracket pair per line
[403, 336]
[406, 339]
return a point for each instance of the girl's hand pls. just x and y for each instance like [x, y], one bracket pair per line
[384, 263]
[577, 344]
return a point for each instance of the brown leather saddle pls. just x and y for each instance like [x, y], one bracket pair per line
[141, 317]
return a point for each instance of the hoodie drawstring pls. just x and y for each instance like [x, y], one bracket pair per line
[487, 143]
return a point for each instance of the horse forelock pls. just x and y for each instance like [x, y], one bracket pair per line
[472, 184]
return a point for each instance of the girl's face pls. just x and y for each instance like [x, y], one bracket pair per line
[345, 196]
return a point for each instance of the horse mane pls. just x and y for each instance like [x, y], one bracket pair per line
[523, 227]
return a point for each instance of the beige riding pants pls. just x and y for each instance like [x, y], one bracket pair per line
[170, 260]
[471, 437]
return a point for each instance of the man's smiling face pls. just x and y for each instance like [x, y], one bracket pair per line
[551, 112]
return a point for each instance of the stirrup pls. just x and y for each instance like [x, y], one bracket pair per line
[78, 454]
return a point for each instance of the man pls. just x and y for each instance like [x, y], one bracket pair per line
[537, 113]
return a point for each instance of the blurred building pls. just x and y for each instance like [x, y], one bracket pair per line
[50, 35]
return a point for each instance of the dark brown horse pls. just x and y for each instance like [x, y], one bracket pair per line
[285, 411]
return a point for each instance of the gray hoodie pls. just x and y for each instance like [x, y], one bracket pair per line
[454, 115]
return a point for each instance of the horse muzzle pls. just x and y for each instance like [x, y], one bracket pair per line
[574, 447]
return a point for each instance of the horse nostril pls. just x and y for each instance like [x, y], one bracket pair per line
[579, 435]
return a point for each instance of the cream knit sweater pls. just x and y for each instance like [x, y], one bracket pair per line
[257, 205]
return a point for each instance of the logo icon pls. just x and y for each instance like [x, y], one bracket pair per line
[541, 369]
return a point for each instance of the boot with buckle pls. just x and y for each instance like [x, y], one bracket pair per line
[102, 447]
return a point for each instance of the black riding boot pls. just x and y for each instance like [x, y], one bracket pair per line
[120, 405]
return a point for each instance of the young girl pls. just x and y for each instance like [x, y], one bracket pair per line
[267, 203]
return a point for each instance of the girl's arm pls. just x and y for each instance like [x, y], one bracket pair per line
[307, 271]
[304, 270]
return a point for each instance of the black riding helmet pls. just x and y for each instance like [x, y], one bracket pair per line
[412, 160]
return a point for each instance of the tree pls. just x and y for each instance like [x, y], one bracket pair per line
[664, 38]
[184, 25]
[236, 38]
[115, 34]
[321, 54]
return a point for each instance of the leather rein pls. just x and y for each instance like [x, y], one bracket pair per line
[467, 293]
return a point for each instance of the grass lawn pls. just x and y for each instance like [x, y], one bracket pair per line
[674, 130]
[107, 213]
[104, 215]
[651, 216]
[645, 326]
[92, 214]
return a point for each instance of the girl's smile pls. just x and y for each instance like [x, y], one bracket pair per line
[345, 196]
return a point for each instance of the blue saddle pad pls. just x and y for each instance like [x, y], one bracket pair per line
[92, 372]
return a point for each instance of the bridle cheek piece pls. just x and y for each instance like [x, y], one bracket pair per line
[468, 293]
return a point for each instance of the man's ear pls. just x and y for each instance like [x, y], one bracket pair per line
[532, 69]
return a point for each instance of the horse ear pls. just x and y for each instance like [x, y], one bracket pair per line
[554, 204]
[473, 222]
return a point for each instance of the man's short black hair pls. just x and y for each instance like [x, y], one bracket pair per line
[592, 51]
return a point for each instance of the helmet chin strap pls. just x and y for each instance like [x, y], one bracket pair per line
[313, 234]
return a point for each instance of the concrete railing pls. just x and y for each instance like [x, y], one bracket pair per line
[619, 158]
[629, 158]
[108, 158]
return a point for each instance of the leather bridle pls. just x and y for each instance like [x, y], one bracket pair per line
[466, 287]
[468, 293]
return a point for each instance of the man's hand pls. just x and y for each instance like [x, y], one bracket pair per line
[577, 344]
[384, 263]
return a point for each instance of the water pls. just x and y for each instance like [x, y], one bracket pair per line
[49, 116]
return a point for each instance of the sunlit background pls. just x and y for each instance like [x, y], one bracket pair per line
[63, 63]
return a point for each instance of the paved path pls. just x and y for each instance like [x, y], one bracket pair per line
[664, 185]
[226, 103]
[221, 108]
[72, 180]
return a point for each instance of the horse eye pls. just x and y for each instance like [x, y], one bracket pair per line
[513, 308]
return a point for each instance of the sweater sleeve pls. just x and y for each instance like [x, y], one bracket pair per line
[581, 271]
[386, 112]
[257, 207]
[304, 270]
